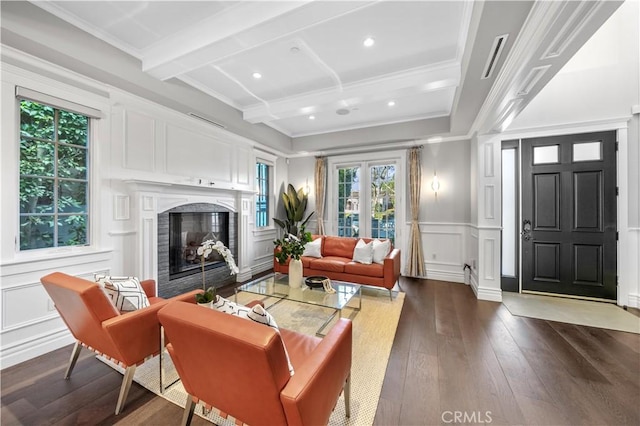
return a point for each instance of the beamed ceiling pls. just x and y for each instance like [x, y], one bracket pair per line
[303, 69]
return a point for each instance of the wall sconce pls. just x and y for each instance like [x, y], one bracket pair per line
[435, 184]
[306, 190]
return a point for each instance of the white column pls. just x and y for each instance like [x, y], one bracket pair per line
[488, 184]
[245, 246]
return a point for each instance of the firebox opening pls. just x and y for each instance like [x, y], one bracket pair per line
[186, 232]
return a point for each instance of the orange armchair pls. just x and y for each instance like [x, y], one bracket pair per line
[128, 339]
[240, 367]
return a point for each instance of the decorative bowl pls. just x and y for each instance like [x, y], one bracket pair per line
[315, 281]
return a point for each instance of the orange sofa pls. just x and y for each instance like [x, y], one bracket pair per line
[336, 264]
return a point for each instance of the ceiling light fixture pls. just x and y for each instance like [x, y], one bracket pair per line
[368, 42]
[391, 103]
[257, 75]
[312, 117]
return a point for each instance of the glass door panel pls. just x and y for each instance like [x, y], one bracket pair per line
[349, 202]
[383, 200]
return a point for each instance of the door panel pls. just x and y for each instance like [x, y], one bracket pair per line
[569, 200]
[546, 200]
[587, 189]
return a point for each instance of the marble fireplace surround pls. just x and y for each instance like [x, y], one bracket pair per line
[152, 202]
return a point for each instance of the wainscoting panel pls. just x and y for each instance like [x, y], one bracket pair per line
[201, 156]
[445, 249]
[31, 325]
[139, 142]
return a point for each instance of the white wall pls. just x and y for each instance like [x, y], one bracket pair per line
[145, 158]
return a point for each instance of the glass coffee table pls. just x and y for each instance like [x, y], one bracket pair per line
[277, 286]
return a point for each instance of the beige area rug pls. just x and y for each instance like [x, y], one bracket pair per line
[572, 311]
[374, 329]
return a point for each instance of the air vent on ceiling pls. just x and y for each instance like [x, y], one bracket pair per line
[494, 55]
[222, 126]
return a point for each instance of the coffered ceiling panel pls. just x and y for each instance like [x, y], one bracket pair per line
[314, 67]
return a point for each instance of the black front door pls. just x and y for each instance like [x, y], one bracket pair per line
[569, 215]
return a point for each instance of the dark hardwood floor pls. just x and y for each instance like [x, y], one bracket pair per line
[454, 360]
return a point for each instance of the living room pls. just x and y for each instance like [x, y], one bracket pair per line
[162, 143]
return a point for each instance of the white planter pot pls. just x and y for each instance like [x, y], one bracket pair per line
[295, 273]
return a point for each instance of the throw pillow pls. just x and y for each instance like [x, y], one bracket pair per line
[363, 253]
[312, 248]
[380, 250]
[126, 293]
[256, 313]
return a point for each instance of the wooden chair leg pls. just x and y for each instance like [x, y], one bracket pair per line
[188, 411]
[72, 361]
[124, 388]
[347, 396]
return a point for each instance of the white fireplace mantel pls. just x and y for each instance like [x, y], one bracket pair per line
[152, 198]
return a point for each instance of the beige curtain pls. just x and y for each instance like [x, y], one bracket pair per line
[320, 177]
[416, 257]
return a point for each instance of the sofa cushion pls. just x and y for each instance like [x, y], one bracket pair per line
[363, 253]
[381, 249]
[312, 249]
[329, 263]
[339, 246]
[372, 270]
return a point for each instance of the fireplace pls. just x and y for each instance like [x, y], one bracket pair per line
[187, 231]
[181, 230]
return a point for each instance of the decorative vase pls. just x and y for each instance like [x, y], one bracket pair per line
[206, 305]
[295, 273]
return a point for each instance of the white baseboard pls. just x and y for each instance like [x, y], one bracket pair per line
[34, 346]
[634, 301]
[261, 267]
[483, 293]
[456, 277]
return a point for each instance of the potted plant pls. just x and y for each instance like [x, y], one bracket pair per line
[295, 204]
[291, 247]
[205, 249]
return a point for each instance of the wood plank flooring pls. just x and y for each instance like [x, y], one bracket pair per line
[454, 360]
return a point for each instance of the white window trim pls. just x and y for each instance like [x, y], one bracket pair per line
[13, 78]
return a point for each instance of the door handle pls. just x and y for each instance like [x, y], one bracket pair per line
[526, 230]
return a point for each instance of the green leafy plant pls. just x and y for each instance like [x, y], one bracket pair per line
[291, 246]
[295, 204]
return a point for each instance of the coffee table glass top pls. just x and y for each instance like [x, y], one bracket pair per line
[278, 286]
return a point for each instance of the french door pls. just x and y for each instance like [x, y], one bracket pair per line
[569, 220]
[366, 199]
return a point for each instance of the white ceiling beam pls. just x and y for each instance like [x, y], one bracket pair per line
[239, 28]
[379, 89]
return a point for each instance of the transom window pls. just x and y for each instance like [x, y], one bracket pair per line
[262, 196]
[54, 177]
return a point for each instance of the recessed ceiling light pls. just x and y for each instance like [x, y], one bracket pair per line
[391, 103]
[312, 117]
[257, 75]
[368, 42]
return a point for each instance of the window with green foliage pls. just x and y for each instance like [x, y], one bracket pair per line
[54, 177]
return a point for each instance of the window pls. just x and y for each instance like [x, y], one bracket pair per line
[54, 177]
[262, 197]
